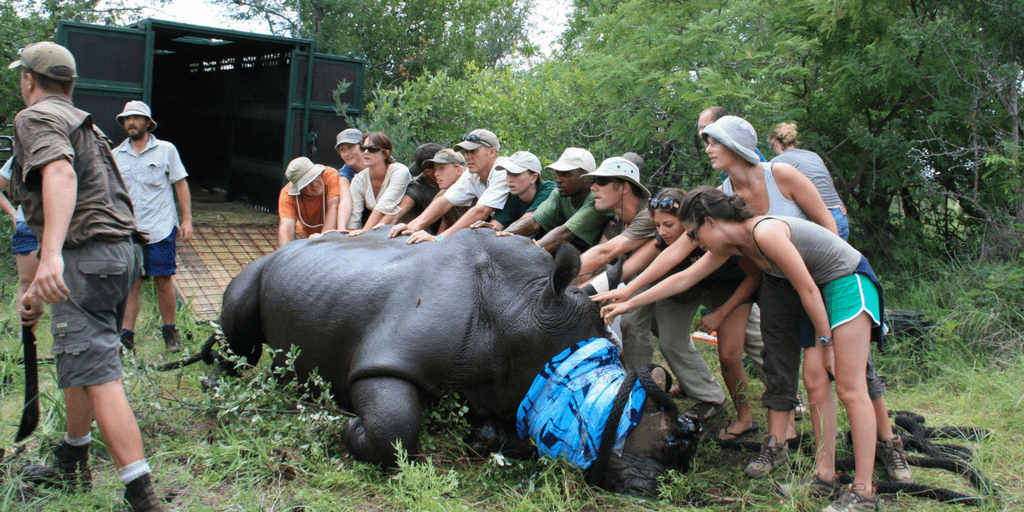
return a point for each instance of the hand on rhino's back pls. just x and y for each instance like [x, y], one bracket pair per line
[474, 313]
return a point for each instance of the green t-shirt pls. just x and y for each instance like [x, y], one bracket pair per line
[586, 222]
[515, 208]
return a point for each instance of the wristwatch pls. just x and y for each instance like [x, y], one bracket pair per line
[438, 238]
[826, 341]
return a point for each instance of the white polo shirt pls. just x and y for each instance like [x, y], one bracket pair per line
[149, 177]
[470, 187]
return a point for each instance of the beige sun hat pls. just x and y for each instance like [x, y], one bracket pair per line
[301, 172]
[137, 108]
[618, 167]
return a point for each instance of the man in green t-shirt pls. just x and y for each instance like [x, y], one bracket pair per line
[568, 216]
[527, 190]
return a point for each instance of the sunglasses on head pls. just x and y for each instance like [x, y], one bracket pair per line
[476, 138]
[665, 203]
[371, 149]
[604, 180]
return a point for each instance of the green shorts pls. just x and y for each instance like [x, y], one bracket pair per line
[847, 296]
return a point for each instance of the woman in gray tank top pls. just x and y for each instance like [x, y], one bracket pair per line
[845, 309]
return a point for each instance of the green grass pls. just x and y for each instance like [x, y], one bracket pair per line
[247, 446]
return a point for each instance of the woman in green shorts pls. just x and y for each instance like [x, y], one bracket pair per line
[838, 290]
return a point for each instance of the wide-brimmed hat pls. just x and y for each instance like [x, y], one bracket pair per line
[736, 134]
[477, 138]
[421, 156]
[519, 162]
[137, 108]
[618, 167]
[348, 136]
[447, 156]
[48, 59]
[574, 158]
[301, 172]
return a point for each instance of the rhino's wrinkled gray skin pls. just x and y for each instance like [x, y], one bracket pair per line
[392, 326]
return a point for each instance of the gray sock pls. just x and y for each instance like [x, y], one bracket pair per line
[133, 471]
[78, 441]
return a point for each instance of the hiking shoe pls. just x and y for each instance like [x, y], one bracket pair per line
[853, 501]
[704, 411]
[171, 338]
[128, 340]
[773, 453]
[69, 470]
[890, 453]
[816, 488]
[140, 495]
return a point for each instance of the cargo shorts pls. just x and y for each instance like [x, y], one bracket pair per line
[86, 327]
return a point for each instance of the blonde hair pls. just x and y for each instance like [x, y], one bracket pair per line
[785, 133]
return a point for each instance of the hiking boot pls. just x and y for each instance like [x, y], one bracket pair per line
[128, 340]
[140, 495]
[171, 339]
[704, 411]
[890, 453]
[816, 488]
[773, 453]
[853, 501]
[69, 470]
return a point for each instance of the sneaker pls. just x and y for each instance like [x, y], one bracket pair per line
[170, 333]
[704, 411]
[69, 470]
[853, 501]
[140, 495]
[890, 453]
[773, 453]
[816, 488]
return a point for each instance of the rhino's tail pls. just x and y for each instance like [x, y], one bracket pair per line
[240, 317]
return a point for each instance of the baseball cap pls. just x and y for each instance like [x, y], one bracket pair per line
[618, 167]
[448, 156]
[574, 158]
[477, 138]
[519, 162]
[736, 134]
[349, 136]
[49, 59]
[301, 172]
[137, 108]
[421, 155]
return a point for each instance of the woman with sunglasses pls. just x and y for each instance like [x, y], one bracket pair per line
[377, 191]
[728, 292]
[839, 292]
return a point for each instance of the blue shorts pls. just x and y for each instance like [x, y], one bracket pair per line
[159, 257]
[24, 241]
[842, 222]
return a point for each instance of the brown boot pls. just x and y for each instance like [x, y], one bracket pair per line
[140, 495]
[69, 470]
[171, 338]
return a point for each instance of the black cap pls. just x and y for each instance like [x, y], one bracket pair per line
[422, 153]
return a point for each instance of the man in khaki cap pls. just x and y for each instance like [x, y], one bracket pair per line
[308, 204]
[154, 174]
[568, 216]
[90, 255]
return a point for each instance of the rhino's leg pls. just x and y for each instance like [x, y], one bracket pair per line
[388, 410]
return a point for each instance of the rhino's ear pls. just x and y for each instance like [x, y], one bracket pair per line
[565, 269]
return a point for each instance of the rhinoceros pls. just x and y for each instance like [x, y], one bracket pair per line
[393, 326]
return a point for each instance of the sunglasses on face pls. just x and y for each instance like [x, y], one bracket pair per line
[371, 149]
[604, 180]
[665, 203]
[476, 138]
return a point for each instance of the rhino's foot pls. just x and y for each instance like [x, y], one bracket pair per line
[388, 411]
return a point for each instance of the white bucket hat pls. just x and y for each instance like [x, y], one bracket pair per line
[519, 162]
[736, 134]
[618, 167]
[137, 108]
[574, 158]
[301, 172]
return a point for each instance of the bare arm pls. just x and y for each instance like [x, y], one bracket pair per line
[799, 188]
[525, 226]
[344, 202]
[5, 205]
[669, 258]
[285, 231]
[711, 321]
[60, 190]
[637, 262]
[478, 212]
[331, 221]
[774, 239]
[552, 239]
[438, 207]
[601, 254]
[184, 196]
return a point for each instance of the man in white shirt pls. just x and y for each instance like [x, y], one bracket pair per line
[152, 169]
[483, 186]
